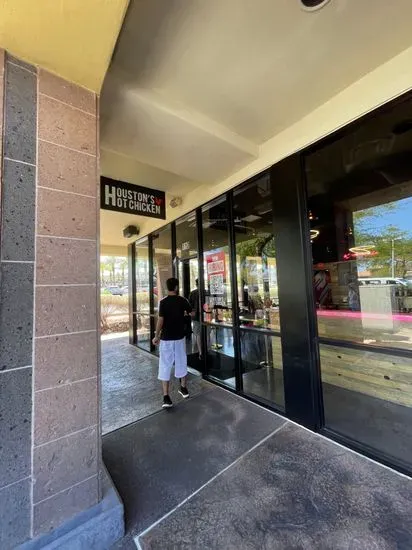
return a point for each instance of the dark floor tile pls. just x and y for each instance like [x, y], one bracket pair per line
[15, 425]
[295, 491]
[159, 461]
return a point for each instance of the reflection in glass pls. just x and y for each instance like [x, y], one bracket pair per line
[262, 372]
[144, 331]
[186, 237]
[217, 309]
[142, 294]
[218, 299]
[256, 256]
[188, 273]
[220, 353]
[162, 264]
[360, 214]
[368, 397]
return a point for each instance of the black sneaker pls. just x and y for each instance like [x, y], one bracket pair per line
[167, 402]
[184, 392]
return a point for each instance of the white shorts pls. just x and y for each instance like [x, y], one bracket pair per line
[172, 352]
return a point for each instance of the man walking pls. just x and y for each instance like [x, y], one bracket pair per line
[170, 334]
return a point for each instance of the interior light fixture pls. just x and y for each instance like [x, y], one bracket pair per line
[313, 5]
[364, 250]
[313, 234]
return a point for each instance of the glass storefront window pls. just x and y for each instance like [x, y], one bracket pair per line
[360, 212]
[188, 274]
[217, 309]
[162, 264]
[261, 358]
[360, 215]
[256, 256]
[220, 352]
[186, 237]
[143, 295]
[262, 367]
[218, 300]
[368, 397]
[186, 253]
[144, 332]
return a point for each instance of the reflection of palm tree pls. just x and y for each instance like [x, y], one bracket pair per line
[390, 259]
[122, 264]
[262, 246]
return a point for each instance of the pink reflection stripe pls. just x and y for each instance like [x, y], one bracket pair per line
[406, 318]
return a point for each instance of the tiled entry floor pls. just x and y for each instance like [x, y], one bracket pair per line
[218, 472]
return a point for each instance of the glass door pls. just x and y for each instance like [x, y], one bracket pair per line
[142, 313]
[187, 270]
[188, 287]
[217, 307]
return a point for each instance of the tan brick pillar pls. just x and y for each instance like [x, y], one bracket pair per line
[66, 436]
[50, 445]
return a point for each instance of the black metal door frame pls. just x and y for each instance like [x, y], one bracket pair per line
[301, 372]
[131, 258]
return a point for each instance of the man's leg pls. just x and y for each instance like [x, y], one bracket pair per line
[181, 366]
[165, 369]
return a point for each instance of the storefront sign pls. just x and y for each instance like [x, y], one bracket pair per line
[216, 272]
[132, 199]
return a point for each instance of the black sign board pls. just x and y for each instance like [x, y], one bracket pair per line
[132, 199]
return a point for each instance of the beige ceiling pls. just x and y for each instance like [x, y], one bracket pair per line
[197, 89]
[72, 38]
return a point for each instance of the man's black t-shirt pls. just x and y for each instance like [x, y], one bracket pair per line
[173, 309]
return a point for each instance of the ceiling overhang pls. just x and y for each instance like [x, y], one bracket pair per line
[71, 38]
[201, 96]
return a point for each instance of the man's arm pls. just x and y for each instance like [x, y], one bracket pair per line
[188, 307]
[159, 326]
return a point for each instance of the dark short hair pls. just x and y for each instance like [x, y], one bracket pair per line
[172, 284]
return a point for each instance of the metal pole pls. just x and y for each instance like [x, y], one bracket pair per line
[393, 258]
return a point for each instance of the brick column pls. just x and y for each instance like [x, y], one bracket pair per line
[49, 376]
[65, 415]
[17, 186]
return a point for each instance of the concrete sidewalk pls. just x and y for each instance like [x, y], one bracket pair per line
[219, 472]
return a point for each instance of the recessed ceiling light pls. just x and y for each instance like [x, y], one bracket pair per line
[313, 5]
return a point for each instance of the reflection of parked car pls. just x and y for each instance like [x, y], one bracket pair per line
[382, 281]
[115, 290]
